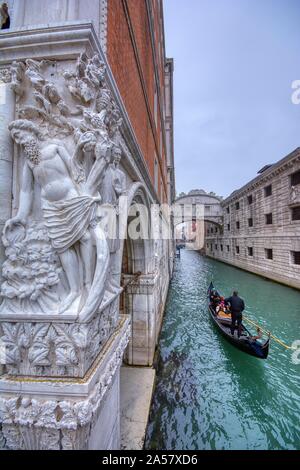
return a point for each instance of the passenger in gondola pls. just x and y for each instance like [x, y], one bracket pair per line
[258, 336]
[221, 307]
[214, 299]
[237, 306]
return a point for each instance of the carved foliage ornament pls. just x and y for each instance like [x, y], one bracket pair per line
[47, 349]
[28, 423]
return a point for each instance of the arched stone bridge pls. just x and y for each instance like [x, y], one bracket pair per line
[198, 202]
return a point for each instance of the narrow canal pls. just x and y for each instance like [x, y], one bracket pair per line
[210, 395]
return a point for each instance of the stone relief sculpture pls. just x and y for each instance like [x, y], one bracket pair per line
[113, 186]
[295, 194]
[57, 253]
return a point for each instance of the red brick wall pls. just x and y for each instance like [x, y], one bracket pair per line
[128, 48]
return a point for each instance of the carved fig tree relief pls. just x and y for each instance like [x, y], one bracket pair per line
[57, 253]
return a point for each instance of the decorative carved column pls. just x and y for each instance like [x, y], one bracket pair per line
[60, 331]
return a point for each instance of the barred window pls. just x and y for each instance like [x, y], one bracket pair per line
[296, 213]
[268, 190]
[295, 178]
[269, 253]
[269, 219]
[296, 257]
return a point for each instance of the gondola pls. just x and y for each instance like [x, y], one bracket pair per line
[245, 343]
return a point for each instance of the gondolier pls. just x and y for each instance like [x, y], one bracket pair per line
[245, 341]
[237, 305]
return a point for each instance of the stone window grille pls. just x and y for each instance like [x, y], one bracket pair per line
[268, 190]
[269, 253]
[156, 174]
[269, 219]
[295, 178]
[296, 213]
[296, 257]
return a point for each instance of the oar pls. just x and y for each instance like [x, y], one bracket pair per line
[267, 332]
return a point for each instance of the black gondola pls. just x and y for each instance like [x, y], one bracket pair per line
[245, 343]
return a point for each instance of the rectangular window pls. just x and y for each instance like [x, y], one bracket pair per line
[155, 106]
[227, 210]
[212, 230]
[237, 249]
[269, 253]
[250, 222]
[296, 257]
[211, 247]
[228, 227]
[296, 213]
[250, 199]
[268, 191]
[156, 174]
[216, 230]
[216, 247]
[228, 248]
[221, 246]
[295, 178]
[237, 205]
[238, 225]
[269, 219]
[250, 251]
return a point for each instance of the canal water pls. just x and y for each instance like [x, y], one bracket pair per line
[210, 395]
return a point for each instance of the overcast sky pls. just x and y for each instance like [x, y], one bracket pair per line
[235, 61]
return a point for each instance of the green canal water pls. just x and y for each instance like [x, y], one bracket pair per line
[208, 394]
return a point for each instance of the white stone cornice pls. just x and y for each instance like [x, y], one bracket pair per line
[60, 41]
[278, 168]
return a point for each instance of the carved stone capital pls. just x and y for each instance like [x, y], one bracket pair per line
[29, 422]
[56, 349]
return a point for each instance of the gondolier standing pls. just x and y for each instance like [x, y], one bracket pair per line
[237, 305]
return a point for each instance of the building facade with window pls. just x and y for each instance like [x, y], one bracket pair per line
[261, 229]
